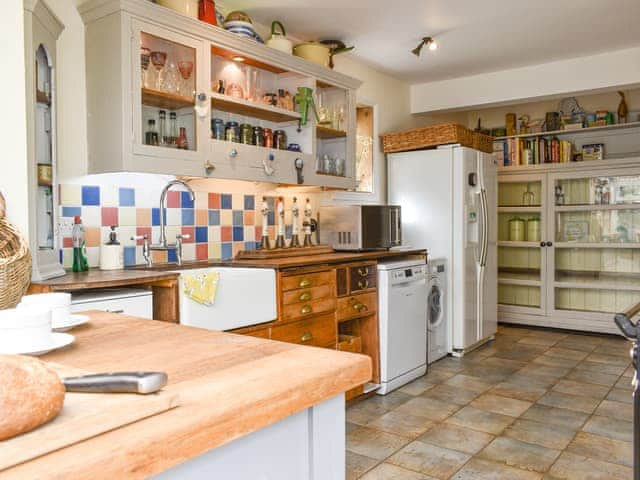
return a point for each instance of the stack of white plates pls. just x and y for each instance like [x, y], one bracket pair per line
[244, 29]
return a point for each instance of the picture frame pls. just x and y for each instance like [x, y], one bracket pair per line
[575, 231]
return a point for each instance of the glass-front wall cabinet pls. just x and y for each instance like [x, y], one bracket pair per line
[597, 239]
[521, 242]
[168, 70]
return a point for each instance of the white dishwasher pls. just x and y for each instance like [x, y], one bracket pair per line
[136, 302]
[402, 299]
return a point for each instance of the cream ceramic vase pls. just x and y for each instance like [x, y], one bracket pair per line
[185, 7]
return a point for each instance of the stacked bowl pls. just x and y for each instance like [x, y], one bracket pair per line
[240, 24]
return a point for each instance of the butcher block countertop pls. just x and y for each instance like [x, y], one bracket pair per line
[229, 386]
[160, 274]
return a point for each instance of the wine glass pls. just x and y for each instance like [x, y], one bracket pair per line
[186, 69]
[171, 79]
[144, 63]
[159, 59]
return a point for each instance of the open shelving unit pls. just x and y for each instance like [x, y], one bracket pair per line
[247, 108]
[557, 133]
[328, 132]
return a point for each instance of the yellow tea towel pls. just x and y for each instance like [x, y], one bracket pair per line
[201, 287]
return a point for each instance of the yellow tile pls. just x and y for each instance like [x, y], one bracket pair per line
[143, 217]
[70, 195]
[215, 250]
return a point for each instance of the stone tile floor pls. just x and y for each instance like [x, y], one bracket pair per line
[532, 404]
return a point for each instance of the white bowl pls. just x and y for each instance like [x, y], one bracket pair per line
[24, 329]
[238, 23]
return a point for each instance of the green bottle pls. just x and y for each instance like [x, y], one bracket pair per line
[80, 263]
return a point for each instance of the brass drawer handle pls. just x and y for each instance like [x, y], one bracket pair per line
[305, 297]
[306, 337]
[358, 307]
[305, 282]
[306, 309]
[362, 285]
[363, 272]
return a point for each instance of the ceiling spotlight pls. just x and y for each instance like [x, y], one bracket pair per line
[430, 44]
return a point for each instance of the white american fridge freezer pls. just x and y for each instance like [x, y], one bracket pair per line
[448, 197]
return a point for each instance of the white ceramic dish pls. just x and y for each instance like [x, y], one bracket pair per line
[24, 327]
[238, 23]
[74, 320]
[58, 340]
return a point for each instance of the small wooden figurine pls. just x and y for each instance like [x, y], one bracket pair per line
[295, 224]
[264, 243]
[307, 224]
[280, 232]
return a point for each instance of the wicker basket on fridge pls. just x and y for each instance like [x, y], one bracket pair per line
[433, 136]
[15, 262]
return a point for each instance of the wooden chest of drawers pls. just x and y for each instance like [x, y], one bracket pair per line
[319, 331]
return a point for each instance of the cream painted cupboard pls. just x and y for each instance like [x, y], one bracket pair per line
[153, 79]
[569, 243]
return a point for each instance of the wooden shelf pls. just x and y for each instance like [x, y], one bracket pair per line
[596, 207]
[246, 108]
[528, 209]
[595, 245]
[506, 243]
[325, 133]
[618, 126]
[168, 101]
[632, 159]
[231, 55]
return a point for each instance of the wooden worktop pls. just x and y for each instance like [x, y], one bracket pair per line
[96, 278]
[228, 385]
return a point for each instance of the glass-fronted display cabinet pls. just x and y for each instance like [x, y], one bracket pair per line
[596, 227]
[521, 243]
[41, 33]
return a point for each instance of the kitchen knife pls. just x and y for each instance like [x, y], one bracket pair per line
[117, 382]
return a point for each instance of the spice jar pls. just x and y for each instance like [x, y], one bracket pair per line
[217, 129]
[533, 229]
[246, 134]
[182, 139]
[280, 139]
[258, 136]
[232, 132]
[268, 137]
[516, 230]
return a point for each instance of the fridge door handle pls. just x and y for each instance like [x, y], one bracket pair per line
[485, 220]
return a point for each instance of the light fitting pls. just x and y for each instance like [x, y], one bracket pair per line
[430, 43]
[238, 59]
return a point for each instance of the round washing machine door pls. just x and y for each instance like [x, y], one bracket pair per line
[435, 304]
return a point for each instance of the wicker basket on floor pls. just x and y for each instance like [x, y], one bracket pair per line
[15, 262]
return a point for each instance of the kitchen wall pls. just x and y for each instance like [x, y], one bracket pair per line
[221, 221]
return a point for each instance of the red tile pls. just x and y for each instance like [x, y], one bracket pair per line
[226, 234]
[109, 216]
[173, 199]
[191, 231]
[67, 242]
[202, 251]
[214, 201]
[258, 233]
[143, 231]
[202, 217]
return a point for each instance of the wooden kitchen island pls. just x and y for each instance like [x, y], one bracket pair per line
[248, 407]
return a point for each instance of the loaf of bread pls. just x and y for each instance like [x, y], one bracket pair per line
[30, 394]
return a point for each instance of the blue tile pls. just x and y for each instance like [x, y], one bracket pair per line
[249, 202]
[238, 234]
[71, 211]
[238, 218]
[155, 217]
[90, 195]
[271, 218]
[226, 251]
[172, 256]
[249, 245]
[185, 200]
[214, 217]
[188, 216]
[202, 234]
[127, 197]
[288, 231]
[226, 201]
[129, 256]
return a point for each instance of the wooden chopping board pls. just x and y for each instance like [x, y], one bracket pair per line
[84, 415]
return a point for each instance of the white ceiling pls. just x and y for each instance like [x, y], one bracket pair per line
[475, 36]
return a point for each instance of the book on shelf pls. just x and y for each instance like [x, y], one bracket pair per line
[511, 152]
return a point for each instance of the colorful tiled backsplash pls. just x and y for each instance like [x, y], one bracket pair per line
[220, 224]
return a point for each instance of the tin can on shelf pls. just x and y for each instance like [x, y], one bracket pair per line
[232, 132]
[217, 129]
[280, 139]
[268, 137]
[533, 229]
[516, 230]
[246, 134]
[258, 136]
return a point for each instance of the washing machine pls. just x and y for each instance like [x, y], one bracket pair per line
[437, 318]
